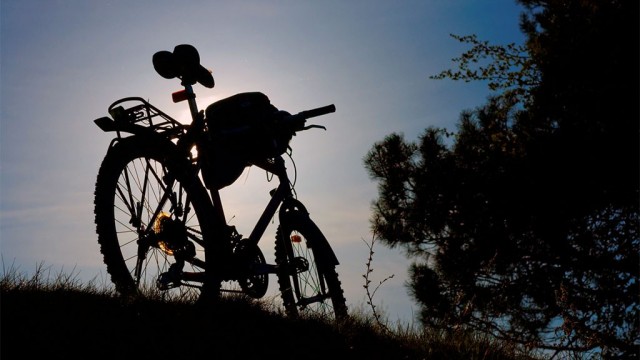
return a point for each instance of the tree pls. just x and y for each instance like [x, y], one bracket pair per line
[526, 226]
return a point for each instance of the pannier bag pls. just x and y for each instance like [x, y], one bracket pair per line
[242, 128]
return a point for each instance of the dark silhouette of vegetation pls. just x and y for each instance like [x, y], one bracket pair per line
[371, 291]
[523, 223]
[61, 318]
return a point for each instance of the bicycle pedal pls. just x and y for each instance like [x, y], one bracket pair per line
[167, 281]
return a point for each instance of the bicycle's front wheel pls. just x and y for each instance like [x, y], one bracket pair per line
[307, 278]
[150, 216]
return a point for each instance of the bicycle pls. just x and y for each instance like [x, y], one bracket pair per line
[159, 216]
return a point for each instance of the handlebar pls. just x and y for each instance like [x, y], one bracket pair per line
[307, 114]
[297, 122]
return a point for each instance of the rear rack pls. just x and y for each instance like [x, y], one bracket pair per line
[143, 114]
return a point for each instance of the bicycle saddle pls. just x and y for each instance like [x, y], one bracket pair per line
[183, 63]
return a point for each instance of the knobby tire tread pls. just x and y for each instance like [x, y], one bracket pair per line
[302, 223]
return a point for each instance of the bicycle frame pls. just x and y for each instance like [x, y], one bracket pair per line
[281, 193]
[281, 196]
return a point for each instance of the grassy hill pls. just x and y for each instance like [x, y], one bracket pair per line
[63, 319]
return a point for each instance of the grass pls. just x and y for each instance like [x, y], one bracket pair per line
[55, 317]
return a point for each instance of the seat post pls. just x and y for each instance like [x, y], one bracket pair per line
[191, 98]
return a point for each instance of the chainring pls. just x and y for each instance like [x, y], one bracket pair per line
[253, 280]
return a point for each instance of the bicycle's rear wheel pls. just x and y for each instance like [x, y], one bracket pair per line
[308, 280]
[149, 211]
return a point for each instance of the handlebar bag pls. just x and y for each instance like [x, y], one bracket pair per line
[243, 128]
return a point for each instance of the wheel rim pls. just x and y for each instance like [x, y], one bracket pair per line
[144, 194]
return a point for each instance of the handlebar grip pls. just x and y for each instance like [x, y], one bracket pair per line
[318, 111]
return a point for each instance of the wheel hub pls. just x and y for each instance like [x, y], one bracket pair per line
[171, 236]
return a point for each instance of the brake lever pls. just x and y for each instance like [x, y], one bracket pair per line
[308, 127]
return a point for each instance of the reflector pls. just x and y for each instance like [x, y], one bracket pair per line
[180, 96]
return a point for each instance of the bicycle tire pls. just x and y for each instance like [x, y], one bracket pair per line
[135, 171]
[320, 281]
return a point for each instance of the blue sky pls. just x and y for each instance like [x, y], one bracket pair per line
[63, 62]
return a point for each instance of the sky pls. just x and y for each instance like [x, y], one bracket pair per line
[63, 62]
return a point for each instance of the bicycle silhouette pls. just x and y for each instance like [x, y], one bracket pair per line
[158, 213]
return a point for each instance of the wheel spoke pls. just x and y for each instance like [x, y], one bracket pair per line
[124, 199]
[130, 193]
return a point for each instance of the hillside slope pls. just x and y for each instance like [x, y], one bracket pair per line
[56, 323]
